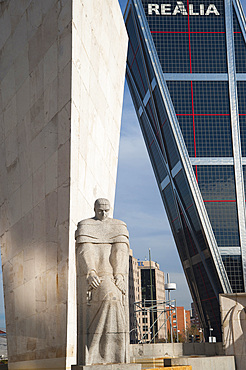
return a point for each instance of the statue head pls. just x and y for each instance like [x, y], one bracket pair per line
[101, 208]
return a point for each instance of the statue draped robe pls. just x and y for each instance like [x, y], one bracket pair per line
[103, 313]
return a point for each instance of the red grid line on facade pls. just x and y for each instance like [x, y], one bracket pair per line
[156, 129]
[207, 114]
[192, 100]
[140, 76]
[195, 166]
[157, 133]
[191, 32]
[208, 298]
[164, 123]
[134, 57]
[193, 119]
[182, 213]
[193, 115]
[151, 143]
[138, 68]
[155, 124]
[135, 53]
[220, 201]
[189, 35]
[204, 114]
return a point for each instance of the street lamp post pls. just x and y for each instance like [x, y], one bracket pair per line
[201, 334]
[171, 286]
[210, 335]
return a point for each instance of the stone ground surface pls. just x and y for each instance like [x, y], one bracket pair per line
[128, 367]
[171, 368]
[188, 362]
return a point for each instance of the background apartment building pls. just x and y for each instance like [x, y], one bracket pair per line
[141, 317]
[180, 322]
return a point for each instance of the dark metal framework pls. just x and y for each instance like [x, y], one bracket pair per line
[186, 71]
[163, 311]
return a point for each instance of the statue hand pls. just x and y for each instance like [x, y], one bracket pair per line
[119, 282]
[93, 280]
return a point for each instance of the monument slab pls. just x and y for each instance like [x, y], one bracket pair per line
[53, 105]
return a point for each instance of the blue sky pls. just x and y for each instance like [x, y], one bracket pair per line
[139, 204]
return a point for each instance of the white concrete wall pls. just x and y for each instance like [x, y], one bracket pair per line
[98, 75]
[233, 317]
[61, 90]
[176, 349]
[198, 355]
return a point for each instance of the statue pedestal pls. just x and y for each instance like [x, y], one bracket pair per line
[107, 367]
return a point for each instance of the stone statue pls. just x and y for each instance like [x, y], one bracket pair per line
[102, 253]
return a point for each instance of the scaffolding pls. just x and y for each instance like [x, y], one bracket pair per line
[151, 318]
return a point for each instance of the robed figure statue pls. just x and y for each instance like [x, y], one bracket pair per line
[102, 253]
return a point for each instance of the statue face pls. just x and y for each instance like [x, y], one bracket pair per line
[102, 211]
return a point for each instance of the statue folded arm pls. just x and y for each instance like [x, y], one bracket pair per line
[87, 264]
[120, 262]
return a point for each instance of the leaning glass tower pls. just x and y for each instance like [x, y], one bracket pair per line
[186, 70]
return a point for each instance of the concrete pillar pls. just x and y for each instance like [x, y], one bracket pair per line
[62, 66]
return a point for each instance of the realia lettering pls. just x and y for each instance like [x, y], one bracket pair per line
[181, 9]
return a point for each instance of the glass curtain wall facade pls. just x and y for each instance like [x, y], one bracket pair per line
[186, 70]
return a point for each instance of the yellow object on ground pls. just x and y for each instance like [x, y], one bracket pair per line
[185, 367]
[151, 362]
[159, 364]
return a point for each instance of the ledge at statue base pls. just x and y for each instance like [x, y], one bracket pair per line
[102, 259]
[108, 367]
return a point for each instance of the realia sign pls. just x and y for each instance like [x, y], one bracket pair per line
[179, 8]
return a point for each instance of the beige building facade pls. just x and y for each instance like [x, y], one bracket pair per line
[141, 317]
[62, 72]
